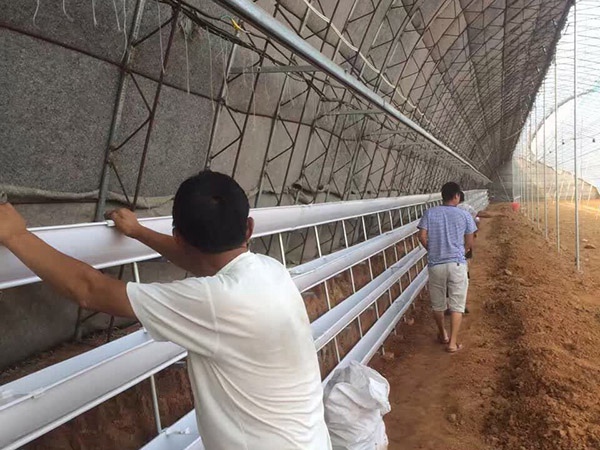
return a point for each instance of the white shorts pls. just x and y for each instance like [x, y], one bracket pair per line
[450, 279]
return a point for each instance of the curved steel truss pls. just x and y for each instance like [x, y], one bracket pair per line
[300, 100]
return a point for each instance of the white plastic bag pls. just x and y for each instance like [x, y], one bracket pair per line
[380, 439]
[356, 398]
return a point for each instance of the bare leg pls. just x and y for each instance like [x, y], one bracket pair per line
[439, 321]
[458, 285]
[455, 321]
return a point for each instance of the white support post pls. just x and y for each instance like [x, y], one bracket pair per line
[282, 250]
[153, 390]
[575, 169]
[545, 167]
[352, 276]
[556, 190]
[335, 340]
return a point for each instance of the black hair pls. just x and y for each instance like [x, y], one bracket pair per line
[450, 190]
[462, 196]
[210, 212]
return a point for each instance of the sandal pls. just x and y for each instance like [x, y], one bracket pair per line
[443, 340]
[458, 348]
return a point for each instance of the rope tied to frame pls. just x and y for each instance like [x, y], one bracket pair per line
[234, 23]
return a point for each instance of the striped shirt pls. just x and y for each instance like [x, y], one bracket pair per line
[446, 228]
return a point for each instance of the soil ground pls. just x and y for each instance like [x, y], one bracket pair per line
[527, 378]
[528, 375]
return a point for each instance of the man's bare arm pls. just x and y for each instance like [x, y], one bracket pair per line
[469, 240]
[70, 277]
[422, 236]
[127, 223]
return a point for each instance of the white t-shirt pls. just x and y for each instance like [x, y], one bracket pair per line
[252, 361]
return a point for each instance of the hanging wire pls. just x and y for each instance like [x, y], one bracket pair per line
[186, 26]
[94, 13]
[116, 14]
[162, 60]
[187, 66]
[253, 94]
[37, 8]
[224, 59]
[210, 71]
[126, 43]
[64, 8]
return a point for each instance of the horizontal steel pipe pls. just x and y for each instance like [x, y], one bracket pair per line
[36, 404]
[32, 405]
[101, 246]
[315, 272]
[364, 350]
[326, 327]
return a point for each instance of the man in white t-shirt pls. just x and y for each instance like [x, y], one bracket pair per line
[252, 362]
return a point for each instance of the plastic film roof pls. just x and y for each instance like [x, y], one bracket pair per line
[552, 124]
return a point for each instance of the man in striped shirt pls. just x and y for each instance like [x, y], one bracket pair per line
[447, 233]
